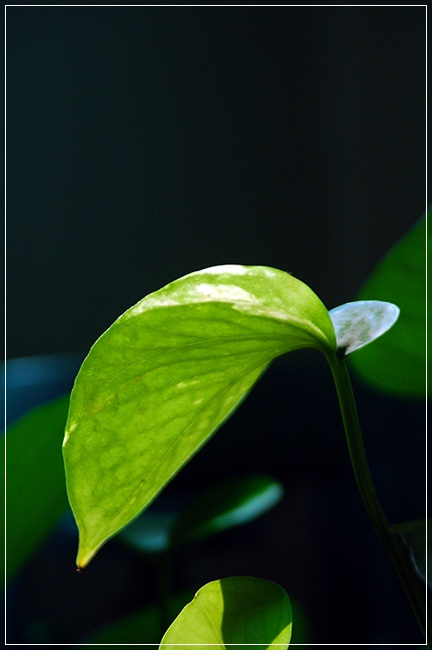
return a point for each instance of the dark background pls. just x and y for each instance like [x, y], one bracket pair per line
[145, 143]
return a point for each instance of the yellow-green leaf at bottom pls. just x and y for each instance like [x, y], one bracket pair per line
[239, 610]
[165, 376]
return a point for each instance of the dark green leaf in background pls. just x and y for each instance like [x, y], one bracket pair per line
[35, 486]
[230, 503]
[150, 532]
[166, 375]
[397, 362]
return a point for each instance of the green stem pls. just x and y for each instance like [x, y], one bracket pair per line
[416, 595]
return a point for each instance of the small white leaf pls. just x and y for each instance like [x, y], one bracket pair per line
[358, 323]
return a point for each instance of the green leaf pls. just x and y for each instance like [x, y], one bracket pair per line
[397, 362]
[230, 503]
[166, 375]
[35, 489]
[233, 611]
[412, 535]
[359, 323]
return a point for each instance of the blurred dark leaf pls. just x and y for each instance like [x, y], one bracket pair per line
[396, 363]
[227, 504]
[35, 481]
[150, 532]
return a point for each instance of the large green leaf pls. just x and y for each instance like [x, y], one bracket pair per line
[233, 611]
[35, 489]
[166, 375]
[397, 362]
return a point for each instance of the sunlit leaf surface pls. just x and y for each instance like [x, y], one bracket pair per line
[233, 611]
[166, 375]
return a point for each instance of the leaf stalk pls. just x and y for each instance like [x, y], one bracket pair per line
[413, 589]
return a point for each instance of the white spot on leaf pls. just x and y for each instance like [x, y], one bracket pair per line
[224, 293]
[150, 303]
[269, 313]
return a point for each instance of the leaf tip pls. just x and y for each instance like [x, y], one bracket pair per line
[83, 557]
